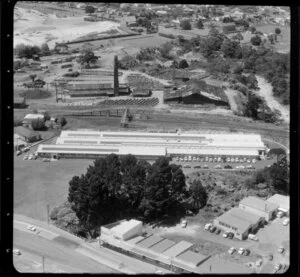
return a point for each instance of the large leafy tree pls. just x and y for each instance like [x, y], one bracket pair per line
[87, 58]
[231, 49]
[256, 40]
[198, 195]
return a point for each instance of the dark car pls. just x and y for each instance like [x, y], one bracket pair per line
[218, 231]
[230, 235]
[197, 166]
[212, 229]
[228, 166]
[246, 252]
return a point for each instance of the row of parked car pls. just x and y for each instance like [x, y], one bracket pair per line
[241, 251]
[218, 166]
[30, 157]
[215, 159]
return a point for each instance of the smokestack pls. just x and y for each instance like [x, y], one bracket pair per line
[116, 77]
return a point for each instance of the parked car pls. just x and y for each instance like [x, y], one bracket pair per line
[25, 158]
[227, 166]
[19, 153]
[280, 214]
[31, 228]
[186, 166]
[280, 249]
[258, 263]
[46, 160]
[181, 159]
[183, 223]
[205, 166]
[212, 229]
[254, 161]
[230, 235]
[248, 161]
[286, 222]
[197, 166]
[253, 237]
[217, 166]
[277, 267]
[26, 149]
[210, 160]
[207, 226]
[225, 235]
[16, 252]
[190, 158]
[241, 251]
[231, 250]
[247, 252]
[194, 159]
[228, 160]
[218, 231]
[270, 257]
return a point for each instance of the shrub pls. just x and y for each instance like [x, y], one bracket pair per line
[38, 124]
[185, 25]
[183, 64]
[166, 35]
[255, 40]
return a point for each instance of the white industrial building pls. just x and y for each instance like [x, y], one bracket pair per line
[161, 144]
[282, 201]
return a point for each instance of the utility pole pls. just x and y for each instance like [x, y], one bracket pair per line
[43, 264]
[48, 213]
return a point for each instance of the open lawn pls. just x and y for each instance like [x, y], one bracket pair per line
[37, 184]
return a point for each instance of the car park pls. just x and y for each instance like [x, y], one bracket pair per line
[241, 251]
[16, 252]
[231, 250]
[280, 249]
[286, 222]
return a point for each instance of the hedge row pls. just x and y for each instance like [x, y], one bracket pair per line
[166, 35]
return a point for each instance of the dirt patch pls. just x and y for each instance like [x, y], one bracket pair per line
[36, 94]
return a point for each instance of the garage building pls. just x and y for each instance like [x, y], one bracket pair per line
[259, 207]
[238, 222]
[283, 202]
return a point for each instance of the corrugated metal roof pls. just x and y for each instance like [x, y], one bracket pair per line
[25, 132]
[259, 204]
[240, 224]
[281, 200]
[244, 215]
[191, 258]
[163, 245]
[135, 240]
[150, 241]
[178, 248]
[144, 253]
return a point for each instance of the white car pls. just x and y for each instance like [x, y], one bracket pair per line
[225, 235]
[25, 158]
[183, 223]
[16, 252]
[181, 159]
[286, 221]
[159, 272]
[258, 263]
[253, 161]
[231, 250]
[280, 249]
[207, 226]
[253, 237]
[280, 214]
[277, 267]
[194, 159]
[241, 251]
[205, 166]
[31, 228]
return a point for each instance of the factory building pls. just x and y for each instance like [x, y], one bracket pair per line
[90, 144]
[255, 205]
[239, 222]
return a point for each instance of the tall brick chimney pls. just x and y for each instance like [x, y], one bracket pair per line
[116, 77]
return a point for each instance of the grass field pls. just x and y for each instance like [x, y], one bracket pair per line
[37, 184]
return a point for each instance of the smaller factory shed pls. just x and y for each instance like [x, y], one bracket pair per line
[178, 248]
[259, 207]
[190, 258]
[27, 134]
[162, 245]
[150, 241]
[281, 200]
[19, 102]
[123, 230]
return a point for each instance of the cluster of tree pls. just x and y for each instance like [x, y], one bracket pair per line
[26, 51]
[128, 62]
[165, 50]
[212, 44]
[147, 54]
[87, 58]
[248, 80]
[199, 24]
[275, 177]
[90, 9]
[144, 22]
[231, 49]
[115, 188]
[256, 40]
[186, 25]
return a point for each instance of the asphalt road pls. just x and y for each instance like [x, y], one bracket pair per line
[64, 252]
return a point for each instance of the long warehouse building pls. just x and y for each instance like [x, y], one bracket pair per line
[90, 144]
